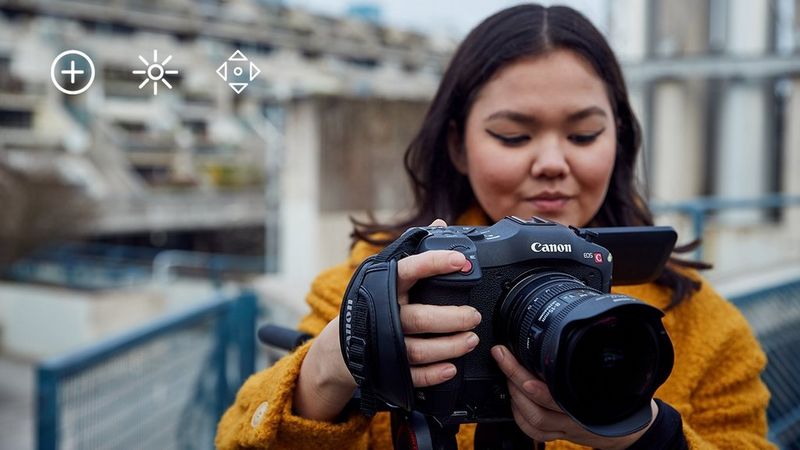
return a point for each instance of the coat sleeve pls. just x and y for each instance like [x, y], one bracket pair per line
[262, 415]
[728, 407]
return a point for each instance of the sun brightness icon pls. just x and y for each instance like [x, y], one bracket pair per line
[155, 71]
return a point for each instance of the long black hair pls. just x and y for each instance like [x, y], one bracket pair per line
[524, 31]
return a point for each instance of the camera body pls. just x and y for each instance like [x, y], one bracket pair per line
[500, 256]
[543, 290]
[554, 274]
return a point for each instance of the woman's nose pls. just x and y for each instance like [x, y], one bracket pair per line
[549, 161]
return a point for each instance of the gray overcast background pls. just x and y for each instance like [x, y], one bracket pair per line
[453, 18]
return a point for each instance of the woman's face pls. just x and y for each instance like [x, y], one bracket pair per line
[540, 140]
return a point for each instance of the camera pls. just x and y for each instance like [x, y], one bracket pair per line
[543, 290]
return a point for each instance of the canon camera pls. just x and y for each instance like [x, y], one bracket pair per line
[543, 290]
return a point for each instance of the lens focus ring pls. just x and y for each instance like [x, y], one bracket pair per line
[537, 305]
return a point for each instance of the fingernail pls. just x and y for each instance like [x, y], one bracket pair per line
[477, 316]
[456, 259]
[498, 353]
[449, 372]
[473, 340]
[530, 387]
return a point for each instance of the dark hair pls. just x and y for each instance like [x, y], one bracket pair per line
[524, 31]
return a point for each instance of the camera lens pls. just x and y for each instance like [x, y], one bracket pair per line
[610, 364]
[602, 355]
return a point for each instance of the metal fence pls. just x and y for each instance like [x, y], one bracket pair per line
[774, 314]
[91, 265]
[163, 386]
[698, 210]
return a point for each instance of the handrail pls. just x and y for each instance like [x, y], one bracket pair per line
[233, 326]
[73, 362]
[698, 209]
[151, 264]
[165, 262]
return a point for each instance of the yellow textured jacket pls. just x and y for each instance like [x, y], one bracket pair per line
[714, 385]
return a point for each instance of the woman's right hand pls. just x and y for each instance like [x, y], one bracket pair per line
[427, 355]
[325, 385]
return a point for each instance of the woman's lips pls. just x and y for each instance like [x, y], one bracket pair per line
[548, 204]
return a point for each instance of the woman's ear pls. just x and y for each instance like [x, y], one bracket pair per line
[455, 148]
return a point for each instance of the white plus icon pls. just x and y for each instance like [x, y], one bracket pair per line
[72, 72]
[87, 72]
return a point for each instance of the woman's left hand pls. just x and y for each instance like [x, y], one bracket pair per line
[538, 415]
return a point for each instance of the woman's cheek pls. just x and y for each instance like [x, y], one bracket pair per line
[595, 176]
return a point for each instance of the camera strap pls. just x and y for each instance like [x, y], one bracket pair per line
[371, 336]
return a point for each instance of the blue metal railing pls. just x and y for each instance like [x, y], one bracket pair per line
[86, 265]
[699, 209]
[214, 265]
[164, 385]
[774, 314]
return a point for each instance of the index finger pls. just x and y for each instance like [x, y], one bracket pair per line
[427, 264]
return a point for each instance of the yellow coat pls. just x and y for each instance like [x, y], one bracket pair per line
[714, 384]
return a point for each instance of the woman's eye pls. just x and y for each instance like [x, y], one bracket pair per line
[583, 139]
[510, 140]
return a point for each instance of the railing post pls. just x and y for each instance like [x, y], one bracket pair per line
[248, 311]
[47, 409]
[223, 325]
[698, 215]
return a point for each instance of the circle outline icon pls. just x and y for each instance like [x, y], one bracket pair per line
[53, 71]
[160, 70]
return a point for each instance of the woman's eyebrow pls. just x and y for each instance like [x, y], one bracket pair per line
[526, 119]
[584, 113]
[513, 116]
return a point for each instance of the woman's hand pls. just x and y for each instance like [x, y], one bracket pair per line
[538, 415]
[426, 355]
[325, 384]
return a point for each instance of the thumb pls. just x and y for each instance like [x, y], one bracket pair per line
[438, 223]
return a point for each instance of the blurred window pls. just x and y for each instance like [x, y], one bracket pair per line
[13, 118]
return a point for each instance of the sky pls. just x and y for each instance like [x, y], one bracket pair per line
[449, 17]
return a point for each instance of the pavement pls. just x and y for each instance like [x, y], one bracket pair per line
[16, 403]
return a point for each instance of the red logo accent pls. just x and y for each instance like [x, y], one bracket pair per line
[598, 258]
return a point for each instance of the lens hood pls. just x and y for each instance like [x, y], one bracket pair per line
[567, 367]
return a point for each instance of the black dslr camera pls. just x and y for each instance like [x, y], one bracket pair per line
[543, 290]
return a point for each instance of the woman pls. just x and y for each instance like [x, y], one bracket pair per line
[531, 118]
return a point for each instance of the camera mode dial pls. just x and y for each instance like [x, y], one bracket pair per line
[454, 238]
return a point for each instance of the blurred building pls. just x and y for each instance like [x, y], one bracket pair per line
[196, 157]
[198, 166]
[715, 84]
[319, 135]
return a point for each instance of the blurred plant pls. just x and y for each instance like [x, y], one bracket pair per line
[37, 208]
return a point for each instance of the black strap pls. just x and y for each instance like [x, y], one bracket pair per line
[371, 336]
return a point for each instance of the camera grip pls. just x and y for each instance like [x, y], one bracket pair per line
[440, 400]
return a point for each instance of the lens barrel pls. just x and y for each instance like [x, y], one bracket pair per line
[602, 355]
